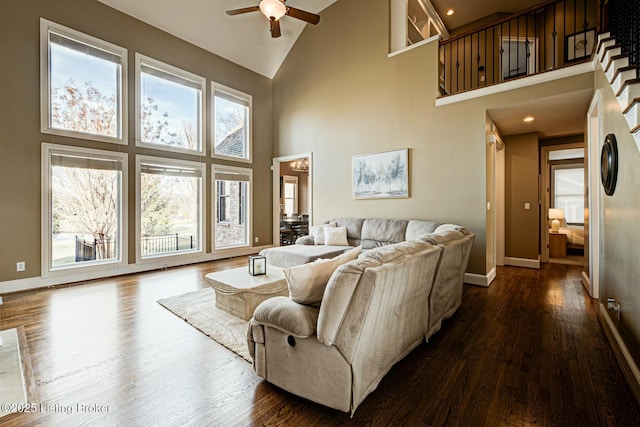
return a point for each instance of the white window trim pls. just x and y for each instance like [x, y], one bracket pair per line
[214, 206]
[49, 149]
[202, 228]
[186, 75]
[217, 87]
[553, 195]
[290, 179]
[45, 90]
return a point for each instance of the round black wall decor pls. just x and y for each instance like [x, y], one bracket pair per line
[609, 164]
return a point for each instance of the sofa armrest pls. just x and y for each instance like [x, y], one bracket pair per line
[305, 240]
[288, 316]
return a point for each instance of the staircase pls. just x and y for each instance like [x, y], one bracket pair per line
[624, 80]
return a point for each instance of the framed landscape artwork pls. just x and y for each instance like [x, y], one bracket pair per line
[381, 175]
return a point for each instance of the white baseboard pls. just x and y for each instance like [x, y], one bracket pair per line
[44, 282]
[523, 262]
[480, 279]
[586, 283]
[628, 365]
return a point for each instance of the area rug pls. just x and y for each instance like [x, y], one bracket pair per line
[198, 309]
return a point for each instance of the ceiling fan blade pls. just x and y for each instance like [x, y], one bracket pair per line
[274, 27]
[309, 17]
[243, 10]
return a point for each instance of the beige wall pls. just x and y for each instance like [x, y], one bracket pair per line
[521, 175]
[338, 94]
[20, 137]
[620, 225]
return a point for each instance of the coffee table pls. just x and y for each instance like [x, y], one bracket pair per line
[239, 293]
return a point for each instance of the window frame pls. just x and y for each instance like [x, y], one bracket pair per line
[217, 87]
[559, 166]
[46, 27]
[202, 167]
[247, 217]
[48, 150]
[143, 60]
[163, 161]
[290, 179]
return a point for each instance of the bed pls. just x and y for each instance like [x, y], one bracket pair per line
[575, 236]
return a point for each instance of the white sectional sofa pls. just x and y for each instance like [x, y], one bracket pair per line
[374, 309]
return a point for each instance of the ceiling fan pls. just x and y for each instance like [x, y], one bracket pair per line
[274, 10]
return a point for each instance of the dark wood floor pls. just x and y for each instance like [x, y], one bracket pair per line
[527, 350]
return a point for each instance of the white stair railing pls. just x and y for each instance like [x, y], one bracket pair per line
[623, 80]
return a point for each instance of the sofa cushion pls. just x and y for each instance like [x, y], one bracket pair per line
[317, 231]
[292, 255]
[337, 297]
[388, 253]
[445, 227]
[416, 229]
[307, 282]
[283, 314]
[354, 228]
[336, 236]
[380, 232]
[439, 238]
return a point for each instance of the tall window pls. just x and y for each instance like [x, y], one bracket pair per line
[169, 106]
[170, 203]
[232, 189]
[83, 202]
[568, 191]
[231, 123]
[290, 194]
[83, 83]
[222, 189]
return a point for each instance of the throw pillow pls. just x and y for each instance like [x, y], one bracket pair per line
[307, 281]
[317, 231]
[336, 236]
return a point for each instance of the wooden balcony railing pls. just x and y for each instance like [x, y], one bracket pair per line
[552, 35]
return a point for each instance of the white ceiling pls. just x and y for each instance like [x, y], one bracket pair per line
[466, 11]
[243, 39]
[554, 116]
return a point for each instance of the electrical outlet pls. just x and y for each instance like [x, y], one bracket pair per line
[257, 239]
[21, 266]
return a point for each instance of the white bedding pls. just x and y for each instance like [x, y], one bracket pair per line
[575, 234]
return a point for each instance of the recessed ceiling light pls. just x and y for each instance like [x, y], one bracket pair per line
[450, 12]
[529, 119]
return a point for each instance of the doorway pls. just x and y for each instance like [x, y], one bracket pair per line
[562, 223]
[557, 120]
[292, 190]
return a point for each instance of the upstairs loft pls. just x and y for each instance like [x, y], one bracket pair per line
[552, 35]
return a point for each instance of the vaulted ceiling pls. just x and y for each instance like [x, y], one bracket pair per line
[245, 39]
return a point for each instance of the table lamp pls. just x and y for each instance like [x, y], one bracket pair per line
[555, 215]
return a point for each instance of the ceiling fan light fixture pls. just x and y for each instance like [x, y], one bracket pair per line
[273, 9]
